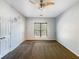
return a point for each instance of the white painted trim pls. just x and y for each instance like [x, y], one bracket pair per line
[10, 50]
[68, 48]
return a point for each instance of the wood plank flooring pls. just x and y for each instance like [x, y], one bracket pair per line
[40, 50]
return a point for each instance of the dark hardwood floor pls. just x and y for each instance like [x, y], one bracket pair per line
[40, 50]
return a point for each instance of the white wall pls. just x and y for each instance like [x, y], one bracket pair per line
[30, 27]
[68, 29]
[11, 26]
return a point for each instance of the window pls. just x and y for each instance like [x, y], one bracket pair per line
[40, 29]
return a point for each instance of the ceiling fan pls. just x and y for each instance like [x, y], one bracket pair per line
[42, 3]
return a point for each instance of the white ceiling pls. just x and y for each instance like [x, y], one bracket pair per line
[29, 10]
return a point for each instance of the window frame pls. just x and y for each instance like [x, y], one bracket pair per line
[40, 29]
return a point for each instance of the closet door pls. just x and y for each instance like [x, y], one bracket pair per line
[14, 33]
[5, 36]
[0, 37]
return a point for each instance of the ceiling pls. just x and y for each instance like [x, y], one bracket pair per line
[29, 10]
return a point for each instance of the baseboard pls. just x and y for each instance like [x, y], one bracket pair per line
[68, 48]
[3, 55]
[10, 50]
[38, 38]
